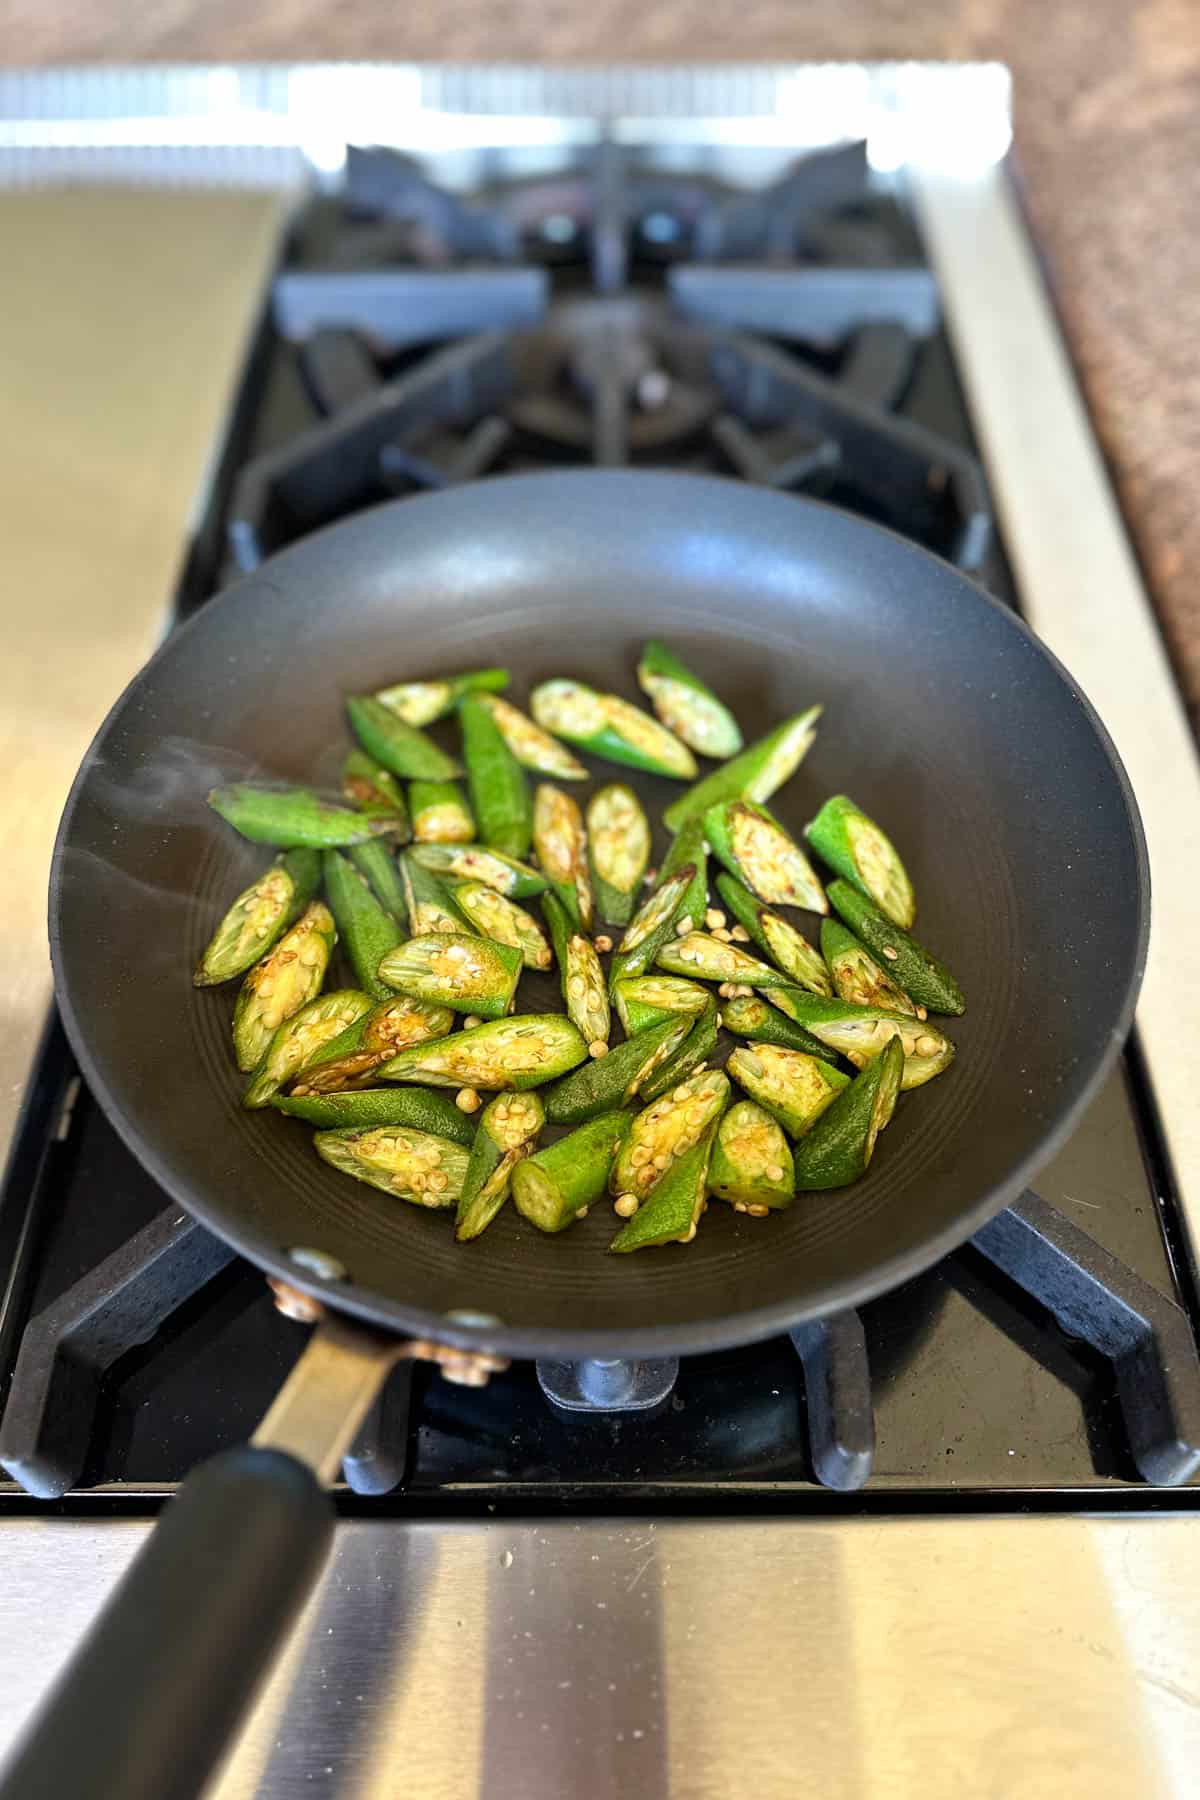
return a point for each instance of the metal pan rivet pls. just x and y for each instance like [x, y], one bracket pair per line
[318, 1263]
[464, 1316]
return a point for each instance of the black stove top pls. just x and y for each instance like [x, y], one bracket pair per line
[612, 313]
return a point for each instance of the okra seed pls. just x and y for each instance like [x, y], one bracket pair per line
[740, 1206]
[922, 1014]
[471, 1020]
[714, 918]
[726, 990]
[757, 1211]
[582, 1213]
[775, 1172]
[684, 926]
[598, 1049]
[603, 943]
[740, 935]
[926, 1045]
[577, 986]
[890, 953]
[467, 1100]
[661, 1161]
[625, 1205]
[266, 988]
[680, 1094]
[722, 936]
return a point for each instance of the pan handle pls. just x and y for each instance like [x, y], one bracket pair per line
[156, 1690]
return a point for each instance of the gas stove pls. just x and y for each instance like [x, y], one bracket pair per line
[484, 274]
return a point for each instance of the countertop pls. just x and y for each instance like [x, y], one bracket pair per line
[1107, 97]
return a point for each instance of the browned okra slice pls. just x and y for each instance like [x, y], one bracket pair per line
[521, 1052]
[666, 1130]
[413, 1165]
[468, 974]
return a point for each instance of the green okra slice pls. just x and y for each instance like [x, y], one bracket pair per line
[413, 1165]
[618, 841]
[427, 900]
[556, 1185]
[684, 705]
[294, 818]
[689, 847]
[666, 1130]
[366, 929]
[671, 1213]
[468, 974]
[286, 978]
[707, 958]
[561, 845]
[650, 927]
[644, 1000]
[839, 1147]
[475, 862]
[359, 1107]
[751, 1164]
[522, 1052]
[533, 748]
[583, 990]
[497, 782]
[865, 856]
[861, 1032]
[856, 975]
[377, 863]
[752, 1018]
[371, 790]
[260, 915]
[757, 773]
[780, 939]
[298, 1039]
[440, 815]
[401, 749]
[611, 728]
[794, 1088]
[756, 848]
[615, 1080]
[352, 1058]
[691, 1055]
[926, 981]
[503, 921]
[508, 1130]
[421, 702]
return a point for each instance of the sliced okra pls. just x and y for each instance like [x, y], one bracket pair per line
[351, 1059]
[689, 847]
[553, 1186]
[757, 773]
[413, 1165]
[366, 929]
[780, 939]
[475, 862]
[618, 840]
[561, 845]
[583, 990]
[503, 921]
[421, 702]
[522, 1052]
[508, 1130]
[615, 1080]
[752, 1018]
[402, 749]
[841, 1144]
[440, 815]
[260, 914]
[861, 1032]
[468, 974]
[533, 748]
[684, 705]
[371, 790]
[645, 1000]
[751, 1164]
[610, 728]
[691, 1055]
[854, 846]
[294, 818]
[498, 785]
[298, 1039]
[427, 900]
[377, 863]
[924, 979]
[650, 927]
[707, 958]
[359, 1107]
[286, 978]
[756, 848]
[856, 975]
[794, 1088]
[671, 1213]
[667, 1130]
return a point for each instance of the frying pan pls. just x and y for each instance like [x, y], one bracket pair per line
[943, 717]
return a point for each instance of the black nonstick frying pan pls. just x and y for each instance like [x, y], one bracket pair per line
[943, 717]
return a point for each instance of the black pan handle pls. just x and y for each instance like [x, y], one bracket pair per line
[155, 1692]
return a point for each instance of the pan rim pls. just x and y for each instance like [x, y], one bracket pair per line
[744, 1327]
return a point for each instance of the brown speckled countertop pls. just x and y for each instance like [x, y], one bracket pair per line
[1107, 96]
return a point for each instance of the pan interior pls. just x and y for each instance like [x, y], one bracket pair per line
[943, 719]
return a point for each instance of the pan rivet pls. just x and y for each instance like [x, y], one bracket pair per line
[318, 1263]
[464, 1316]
